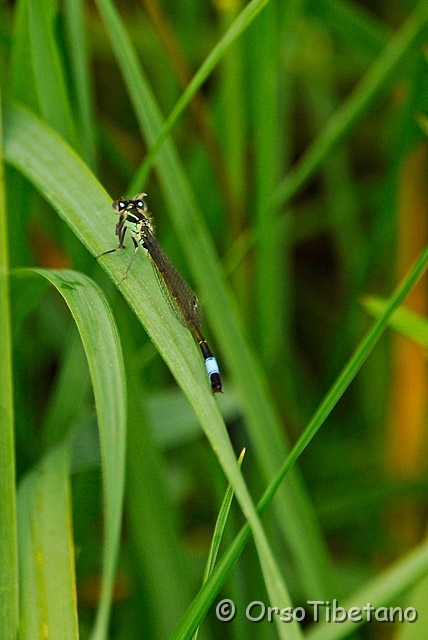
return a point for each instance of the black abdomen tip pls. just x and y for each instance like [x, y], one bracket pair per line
[216, 385]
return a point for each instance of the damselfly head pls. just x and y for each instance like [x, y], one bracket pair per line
[137, 202]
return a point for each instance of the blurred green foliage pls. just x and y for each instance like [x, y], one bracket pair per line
[283, 148]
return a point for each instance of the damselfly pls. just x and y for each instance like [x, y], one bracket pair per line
[133, 215]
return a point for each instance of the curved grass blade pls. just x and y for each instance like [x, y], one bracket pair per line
[103, 352]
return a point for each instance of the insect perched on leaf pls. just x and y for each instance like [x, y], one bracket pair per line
[133, 215]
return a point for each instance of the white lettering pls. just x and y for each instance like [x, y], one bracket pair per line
[339, 613]
[393, 611]
[368, 609]
[414, 614]
[381, 614]
[298, 617]
[316, 604]
[354, 614]
[286, 614]
[249, 609]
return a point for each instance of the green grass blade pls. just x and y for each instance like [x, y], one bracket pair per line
[8, 548]
[396, 580]
[232, 114]
[48, 70]
[65, 181]
[220, 525]
[62, 411]
[46, 551]
[338, 237]
[239, 25]
[376, 80]
[407, 322]
[21, 82]
[219, 531]
[265, 122]
[417, 599]
[103, 352]
[80, 68]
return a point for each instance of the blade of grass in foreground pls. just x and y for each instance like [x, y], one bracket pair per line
[8, 548]
[200, 605]
[94, 320]
[46, 551]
